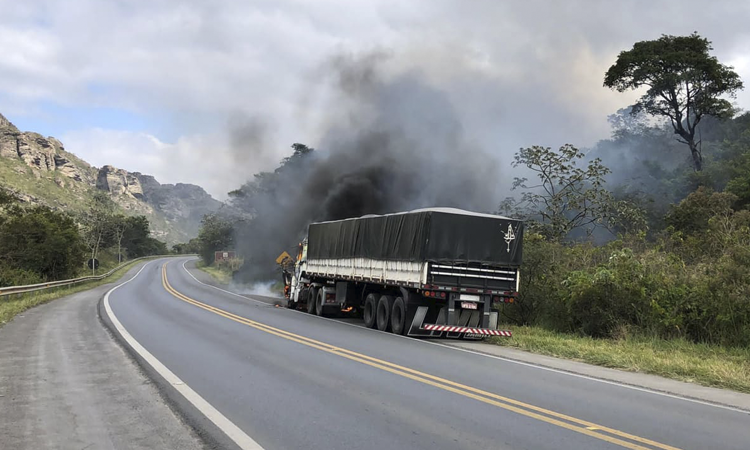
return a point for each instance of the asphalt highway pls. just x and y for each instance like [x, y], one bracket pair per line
[286, 380]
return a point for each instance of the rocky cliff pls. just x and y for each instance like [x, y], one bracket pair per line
[184, 203]
[119, 182]
[40, 171]
[38, 152]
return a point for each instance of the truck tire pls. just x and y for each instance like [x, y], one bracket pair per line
[312, 294]
[370, 310]
[385, 305]
[320, 303]
[398, 316]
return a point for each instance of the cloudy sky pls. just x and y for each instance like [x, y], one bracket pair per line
[211, 92]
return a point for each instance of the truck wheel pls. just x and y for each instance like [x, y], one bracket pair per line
[385, 305]
[312, 294]
[370, 312]
[398, 316]
[320, 302]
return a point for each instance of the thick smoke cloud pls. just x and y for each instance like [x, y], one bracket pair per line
[249, 139]
[392, 143]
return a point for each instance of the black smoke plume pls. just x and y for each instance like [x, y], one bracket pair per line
[392, 144]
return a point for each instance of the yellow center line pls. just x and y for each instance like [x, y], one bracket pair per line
[545, 415]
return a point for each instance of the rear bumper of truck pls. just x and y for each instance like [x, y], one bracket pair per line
[433, 321]
[466, 330]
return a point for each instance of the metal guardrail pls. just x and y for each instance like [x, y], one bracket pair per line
[9, 290]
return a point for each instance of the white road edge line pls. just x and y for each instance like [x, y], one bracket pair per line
[232, 431]
[223, 290]
[514, 361]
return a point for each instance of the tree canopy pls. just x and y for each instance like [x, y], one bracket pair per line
[568, 197]
[40, 241]
[216, 233]
[684, 84]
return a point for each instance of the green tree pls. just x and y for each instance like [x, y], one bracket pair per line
[119, 226]
[6, 198]
[97, 224]
[568, 197]
[684, 84]
[40, 241]
[216, 233]
[737, 168]
[184, 248]
[692, 215]
[136, 238]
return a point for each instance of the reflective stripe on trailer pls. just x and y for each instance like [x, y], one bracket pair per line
[452, 329]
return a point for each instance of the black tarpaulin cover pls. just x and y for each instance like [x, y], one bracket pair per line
[437, 234]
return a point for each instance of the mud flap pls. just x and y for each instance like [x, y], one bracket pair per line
[467, 318]
[416, 330]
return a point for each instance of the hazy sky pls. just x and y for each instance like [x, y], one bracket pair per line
[211, 92]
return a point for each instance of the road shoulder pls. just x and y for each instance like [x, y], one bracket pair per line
[654, 383]
[65, 383]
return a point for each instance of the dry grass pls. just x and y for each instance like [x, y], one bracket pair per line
[15, 304]
[704, 364]
[222, 274]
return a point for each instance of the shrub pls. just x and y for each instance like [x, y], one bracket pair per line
[41, 241]
[229, 265]
[684, 285]
[11, 276]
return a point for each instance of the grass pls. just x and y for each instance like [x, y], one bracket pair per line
[221, 274]
[74, 196]
[13, 305]
[709, 365]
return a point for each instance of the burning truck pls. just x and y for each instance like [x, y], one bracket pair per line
[436, 272]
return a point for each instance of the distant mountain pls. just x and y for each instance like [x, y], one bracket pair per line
[39, 170]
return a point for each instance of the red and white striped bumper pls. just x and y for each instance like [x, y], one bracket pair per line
[453, 329]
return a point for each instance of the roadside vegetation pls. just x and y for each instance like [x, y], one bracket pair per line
[221, 270]
[654, 274]
[216, 234]
[39, 244]
[16, 304]
[679, 359]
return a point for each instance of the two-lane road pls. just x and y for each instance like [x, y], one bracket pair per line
[290, 380]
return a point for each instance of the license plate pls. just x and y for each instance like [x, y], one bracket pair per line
[468, 305]
[469, 297]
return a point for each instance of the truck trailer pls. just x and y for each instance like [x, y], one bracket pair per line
[437, 272]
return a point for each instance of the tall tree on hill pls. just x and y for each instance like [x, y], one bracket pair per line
[119, 227]
[97, 224]
[684, 84]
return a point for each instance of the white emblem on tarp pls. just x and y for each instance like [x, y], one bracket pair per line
[510, 236]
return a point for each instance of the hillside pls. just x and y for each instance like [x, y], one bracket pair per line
[39, 170]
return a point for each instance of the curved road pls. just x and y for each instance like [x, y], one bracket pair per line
[290, 380]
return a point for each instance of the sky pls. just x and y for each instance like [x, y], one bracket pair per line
[212, 92]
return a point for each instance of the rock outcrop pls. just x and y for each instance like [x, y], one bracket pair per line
[67, 168]
[183, 203]
[8, 139]
[119, 182]
[62, 180]
[38, 152]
